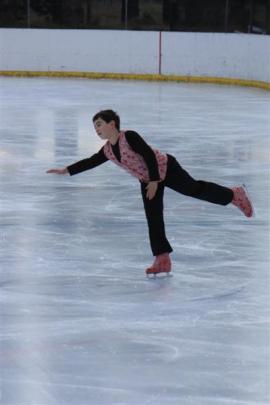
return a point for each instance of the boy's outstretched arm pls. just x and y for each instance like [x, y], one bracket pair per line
[58, 171]
[85, 164]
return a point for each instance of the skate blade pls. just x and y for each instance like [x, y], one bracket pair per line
[250, 200]
[160, 274]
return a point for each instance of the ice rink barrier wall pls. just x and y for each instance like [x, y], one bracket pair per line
[240, 59]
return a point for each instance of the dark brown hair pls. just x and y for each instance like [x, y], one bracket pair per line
[108, 116]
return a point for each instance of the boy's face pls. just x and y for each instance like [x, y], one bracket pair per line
[104, 129]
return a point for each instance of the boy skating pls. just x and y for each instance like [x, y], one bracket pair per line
[155, 171]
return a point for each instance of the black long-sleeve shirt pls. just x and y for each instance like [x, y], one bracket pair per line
[136, 142]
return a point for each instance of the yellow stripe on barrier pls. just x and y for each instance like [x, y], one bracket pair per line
[146, 77]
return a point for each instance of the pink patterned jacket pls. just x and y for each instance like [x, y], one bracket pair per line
[133, 162]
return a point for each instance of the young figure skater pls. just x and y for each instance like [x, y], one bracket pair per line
[155, 171]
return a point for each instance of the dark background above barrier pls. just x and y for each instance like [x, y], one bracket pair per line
[248, 16]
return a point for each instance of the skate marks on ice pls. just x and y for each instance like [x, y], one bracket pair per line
[221, 296]
[83, 287]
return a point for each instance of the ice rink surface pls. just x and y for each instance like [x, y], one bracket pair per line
[80, 323]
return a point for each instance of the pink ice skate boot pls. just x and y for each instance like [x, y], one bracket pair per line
[162, 264]
[242, 201]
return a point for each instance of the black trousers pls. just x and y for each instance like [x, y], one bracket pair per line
[178, 180]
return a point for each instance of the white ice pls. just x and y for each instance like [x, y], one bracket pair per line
[80, 323]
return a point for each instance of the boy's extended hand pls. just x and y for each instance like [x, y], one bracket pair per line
[58, 171]
[151, 189]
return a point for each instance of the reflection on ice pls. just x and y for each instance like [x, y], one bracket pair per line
[80, 323]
